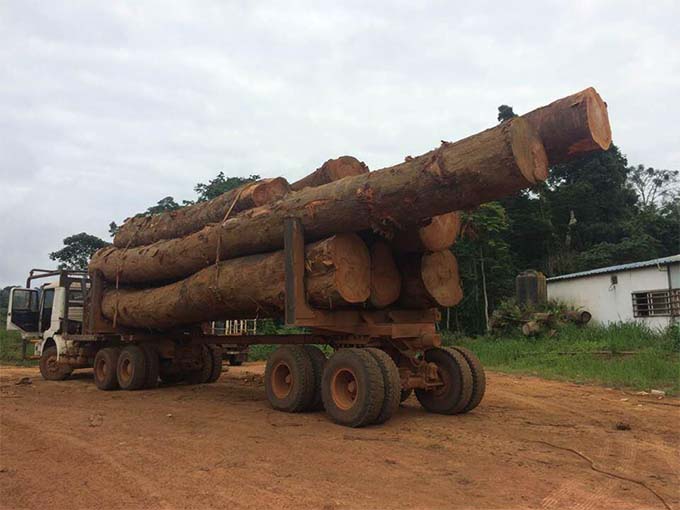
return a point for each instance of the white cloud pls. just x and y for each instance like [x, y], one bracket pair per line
[107, 107]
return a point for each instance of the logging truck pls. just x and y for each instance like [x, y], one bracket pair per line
[381, 356]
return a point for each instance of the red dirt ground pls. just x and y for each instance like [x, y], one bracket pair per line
[67, 445]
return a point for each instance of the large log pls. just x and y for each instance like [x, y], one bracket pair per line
[429, 280]
[332, 170]
[455, 176]
[573, 126]
[385, 276]
[337, 274]
[439, 234]
[142, 230]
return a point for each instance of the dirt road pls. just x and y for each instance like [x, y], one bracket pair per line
[69, 445]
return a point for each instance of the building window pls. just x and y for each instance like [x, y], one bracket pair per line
[656, 303]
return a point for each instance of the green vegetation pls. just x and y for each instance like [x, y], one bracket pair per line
[640, 358]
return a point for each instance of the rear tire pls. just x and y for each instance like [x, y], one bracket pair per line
[50, 369]
[352, 388]
[216, 370]
[131, 371]
[478, 378]
[152, 366]
[202, 375]
[105, 367]
[289, 379]
[234, 361]
[391, 381]
[455, 394]
[318, 359]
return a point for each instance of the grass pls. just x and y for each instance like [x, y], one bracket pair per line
[571, 355]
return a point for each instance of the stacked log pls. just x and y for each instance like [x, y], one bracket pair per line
[222, 259]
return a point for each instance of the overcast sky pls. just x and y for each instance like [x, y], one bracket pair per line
[106, 107]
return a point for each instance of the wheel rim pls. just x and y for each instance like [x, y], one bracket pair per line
[101, 369]
[443, 390]
[52, 365]
[125, 370]
[344, 388]
[282, 380]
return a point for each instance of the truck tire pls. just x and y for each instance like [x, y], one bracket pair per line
[152, 366]
[172, 377]
[478, 378]
[289, 379]
[131, 369]
[455, 394]
[105, 367]
[318, 359]
[216, 367]
[391, 381]
[352, 388]
[234, 361]
[202, 375]
[50, 369]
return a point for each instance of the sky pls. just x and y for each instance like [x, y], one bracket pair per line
[107, 107]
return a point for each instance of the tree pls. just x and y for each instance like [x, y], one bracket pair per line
[505, 113]
[164, 205]
[653, 186]
[221, 184]
[77, 251]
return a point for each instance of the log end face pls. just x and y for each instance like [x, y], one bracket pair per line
[352, 263]
[528, 150]
[442, 232]
[385, 276]
[270, 190]
[439, 272]
[344, 166]
[598, 120]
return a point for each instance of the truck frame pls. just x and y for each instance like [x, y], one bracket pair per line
[65, 324]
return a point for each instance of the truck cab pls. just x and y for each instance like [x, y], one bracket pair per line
[46, 315]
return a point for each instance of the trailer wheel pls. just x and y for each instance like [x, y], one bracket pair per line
[234, 361]
[131, 371]
[478, 378]
[318, 359]
[391, 381]
[289, 379]
[405, 394]
[172, 377]
[202, 375]
[352, 388]
[216, 366]
[152, 366]
[456, 391]
[105, 366]
[50, 369]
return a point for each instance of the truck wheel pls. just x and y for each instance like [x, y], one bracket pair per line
[131, 371]
[289, 379]
[352, 388]
[391, 381]
[234, 361]
[405, 394]
[456, 391]
[172, 377]
[50, 369]
[318, 359]
[216, 366]
[152, 366]
[105, 366]
[202, 375]
[478, 378]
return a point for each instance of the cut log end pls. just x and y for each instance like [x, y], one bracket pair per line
[598, 119]
[267, 191]
[442, 231]
[352, 268]
[528, 150]
[385, 276]
[332, 170]
[439, 272]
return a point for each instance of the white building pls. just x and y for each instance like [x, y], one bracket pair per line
[646, 291]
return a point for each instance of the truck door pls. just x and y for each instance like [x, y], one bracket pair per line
[23, 314]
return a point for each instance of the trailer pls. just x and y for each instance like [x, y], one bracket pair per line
[379, 356]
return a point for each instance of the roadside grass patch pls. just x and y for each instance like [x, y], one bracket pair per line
[623, 355]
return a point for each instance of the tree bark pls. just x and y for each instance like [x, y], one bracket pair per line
[385, 276]
[572, 126]
[332, 170]
[439, 234]
[337, 275]
[143, 230]
[455, 176]
[429, 280]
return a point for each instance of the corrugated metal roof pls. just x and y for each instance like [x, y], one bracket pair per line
[622, 267]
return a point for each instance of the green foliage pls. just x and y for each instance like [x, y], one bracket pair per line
[220, 184]
[77, 251]
[163, 205]
[575, 354]
[505, 113]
